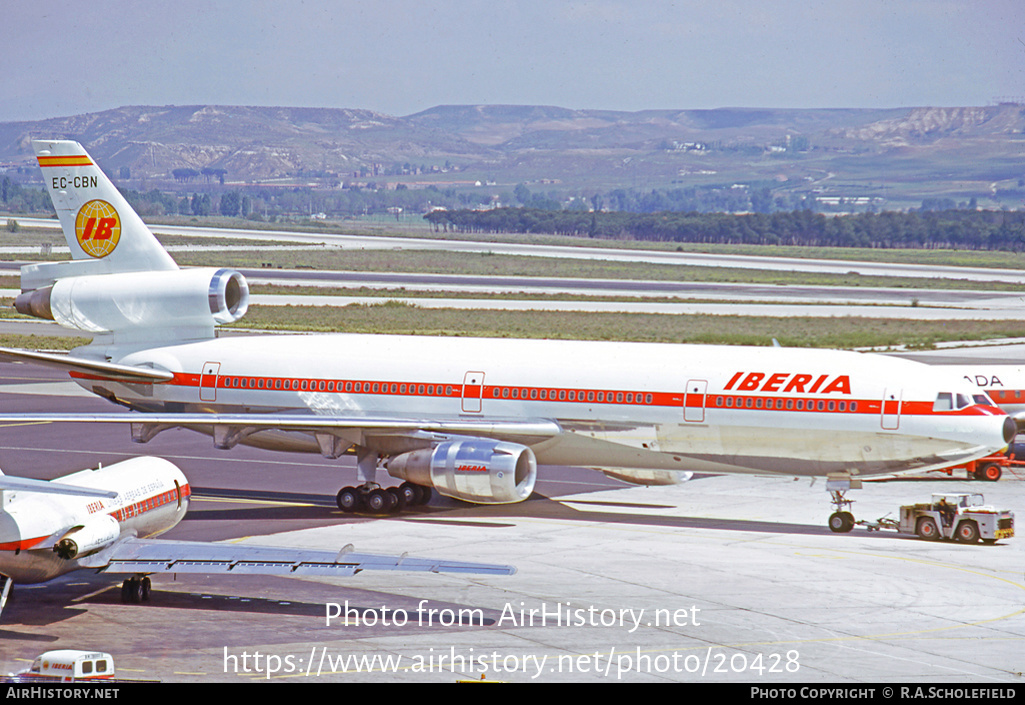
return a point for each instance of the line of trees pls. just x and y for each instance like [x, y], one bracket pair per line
[954, 229]
[15, 198]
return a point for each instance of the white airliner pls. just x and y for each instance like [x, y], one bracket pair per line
[468, 417]
[1005, 384]
[101, 519]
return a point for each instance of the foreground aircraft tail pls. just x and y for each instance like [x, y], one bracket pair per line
[120, 284]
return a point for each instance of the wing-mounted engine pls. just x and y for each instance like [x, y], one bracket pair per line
[188, 301]
[95, 534]
[472, 470]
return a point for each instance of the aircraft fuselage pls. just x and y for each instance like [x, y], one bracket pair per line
[618, 405]
[153, 497]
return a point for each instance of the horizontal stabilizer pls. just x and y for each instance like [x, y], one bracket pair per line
[107, 370]
[134, 555]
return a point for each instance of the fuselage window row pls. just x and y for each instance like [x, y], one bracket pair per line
[534, 394]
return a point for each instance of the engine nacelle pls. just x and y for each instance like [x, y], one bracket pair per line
[184, 299]
[97, 533]
[648, 478]
[473, 470]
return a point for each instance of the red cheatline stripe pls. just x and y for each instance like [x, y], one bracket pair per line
[709, 399]
[136, 509]
[20, 545]
[81, 160]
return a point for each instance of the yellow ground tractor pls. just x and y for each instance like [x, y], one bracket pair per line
[957, 516]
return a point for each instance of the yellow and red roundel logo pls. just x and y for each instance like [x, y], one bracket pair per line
[98, 228]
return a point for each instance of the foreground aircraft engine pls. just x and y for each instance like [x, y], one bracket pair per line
[480, 471]
[188, 298]
[97, 533]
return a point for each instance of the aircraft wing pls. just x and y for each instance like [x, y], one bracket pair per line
[310, 423]
[134, 555]
[109, 370]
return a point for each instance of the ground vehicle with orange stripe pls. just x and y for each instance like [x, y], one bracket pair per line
[70, 665]
[992, 467]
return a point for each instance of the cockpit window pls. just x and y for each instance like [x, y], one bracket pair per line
[947, 401]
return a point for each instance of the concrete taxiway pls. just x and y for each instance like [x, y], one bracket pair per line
[610, 254]
[722, 578]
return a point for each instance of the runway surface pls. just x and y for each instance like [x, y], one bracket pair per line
[673, 298]
[723, 578]
[635, 296]
[610, 254]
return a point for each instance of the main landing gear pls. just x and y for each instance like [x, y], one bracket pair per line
[371, 497]
[841, 520]
[135, 590]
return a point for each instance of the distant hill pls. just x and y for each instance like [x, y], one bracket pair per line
[889, 155]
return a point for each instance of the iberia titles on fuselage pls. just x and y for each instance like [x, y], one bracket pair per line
[622, 405]
[429, 406]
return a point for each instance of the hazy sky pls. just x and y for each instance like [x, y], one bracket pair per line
[398, 57]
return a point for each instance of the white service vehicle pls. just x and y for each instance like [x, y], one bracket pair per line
[70, 665]
[962, 516]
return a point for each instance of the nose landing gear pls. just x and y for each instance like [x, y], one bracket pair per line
[841, 520]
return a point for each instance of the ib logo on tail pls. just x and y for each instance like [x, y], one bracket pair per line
[97, 228]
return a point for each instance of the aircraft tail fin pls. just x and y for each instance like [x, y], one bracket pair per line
[104, 232]
[121, 286]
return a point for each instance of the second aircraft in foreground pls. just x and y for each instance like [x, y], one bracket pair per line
[103, 520]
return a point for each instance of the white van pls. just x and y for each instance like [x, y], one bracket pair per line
[71, 665]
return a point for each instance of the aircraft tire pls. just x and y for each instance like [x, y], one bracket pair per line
[838, 523]
[378, 502]
[848, 521]
[133, 591]
[399, 499]
[348, 499]
[145, 588]
[425, 494]
[410, 492]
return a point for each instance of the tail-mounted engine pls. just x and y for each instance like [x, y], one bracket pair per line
[97, 533]
[473, 470]
[185, 299]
